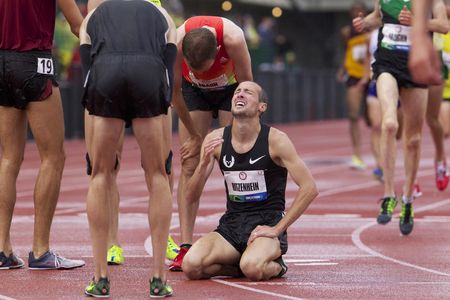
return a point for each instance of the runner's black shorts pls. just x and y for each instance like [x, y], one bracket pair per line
[25, 77]
[127, 86]
[397, 66]
[205, 100]
[236, 227]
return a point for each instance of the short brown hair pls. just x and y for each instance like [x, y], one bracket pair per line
[199, 45]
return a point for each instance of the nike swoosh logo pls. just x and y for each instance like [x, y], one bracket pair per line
[252, 161]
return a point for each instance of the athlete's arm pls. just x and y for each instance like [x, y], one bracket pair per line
[73, 15]
[439, 22]
[210, 149]
[191, 147]
[424, 62]
[283, 152]
[370, 22]
[236, 47]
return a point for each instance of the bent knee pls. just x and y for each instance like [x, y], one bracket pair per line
[192, 268]
[252, 269]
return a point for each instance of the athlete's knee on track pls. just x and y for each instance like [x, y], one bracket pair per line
[192, 266]
[252, 268]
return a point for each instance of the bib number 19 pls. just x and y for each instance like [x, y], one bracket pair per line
[45, 66]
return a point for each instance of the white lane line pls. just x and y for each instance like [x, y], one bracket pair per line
[274, 283]
[317, 264]
[426, 283]
[304, 260]
[2, 297]
[242, 287]
[356, 239]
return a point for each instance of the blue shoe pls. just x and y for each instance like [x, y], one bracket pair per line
[10, 262]
[378, 174]
[52, 261]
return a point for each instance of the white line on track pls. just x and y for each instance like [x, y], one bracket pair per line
[317, 264]
[356, 239]
[6, 298]
[242, 287]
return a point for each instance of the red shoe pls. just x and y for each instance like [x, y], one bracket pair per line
[442, 176]
[416, 190]
[175, 266]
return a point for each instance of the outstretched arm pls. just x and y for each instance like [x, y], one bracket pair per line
[284, 154]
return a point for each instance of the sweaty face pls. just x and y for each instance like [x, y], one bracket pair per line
[245, 102]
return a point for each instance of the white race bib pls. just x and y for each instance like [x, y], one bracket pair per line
[45, 66]
[396, 37]
[246, 186]
[359, 52]
[210, 84]
[446, 59]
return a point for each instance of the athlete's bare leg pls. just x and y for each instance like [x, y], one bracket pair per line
[152, 140]
[374, 107]
[115, 201]
[187, 212]
[354, 97]
[106, 135]
[444, 117]
[414, 105]
[432, 117]
[13, 124]
[47, 124]
[388, 94]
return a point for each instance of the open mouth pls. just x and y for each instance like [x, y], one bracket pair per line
[240, 103]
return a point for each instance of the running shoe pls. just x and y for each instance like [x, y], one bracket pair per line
[442, 175]
[172, 249]
[98, 289]
[406, 218]
[175, 266]
[378, 174]
[159, 289]
[284, 267]
[386, 210]
[115, 255]
[10, 262]
[52, 261]
[357, 163]
[417, 192]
